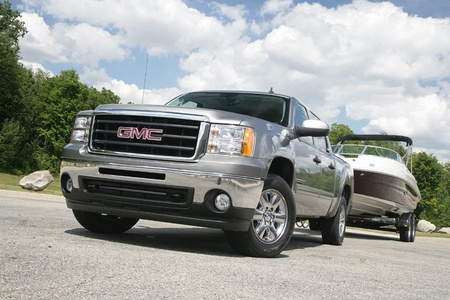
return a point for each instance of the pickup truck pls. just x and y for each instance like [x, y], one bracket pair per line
[250, 163]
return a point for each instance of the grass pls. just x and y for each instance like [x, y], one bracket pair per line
[11, 182]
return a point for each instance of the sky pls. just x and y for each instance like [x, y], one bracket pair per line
[374, 66]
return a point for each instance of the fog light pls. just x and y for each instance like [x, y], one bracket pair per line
[222, 202]
[69, 185]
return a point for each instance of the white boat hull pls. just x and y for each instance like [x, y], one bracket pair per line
[383, 187]
[383, 195]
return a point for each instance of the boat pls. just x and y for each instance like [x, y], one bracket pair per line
[385, 191]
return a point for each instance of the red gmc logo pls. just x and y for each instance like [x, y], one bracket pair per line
[135, 133]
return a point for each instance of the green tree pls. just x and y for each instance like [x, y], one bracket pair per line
[443, 198]
[58, 101]
[104, 96]
[36, 110]
[429, 174]
[15, 148]
[337, 131]
[11, 29]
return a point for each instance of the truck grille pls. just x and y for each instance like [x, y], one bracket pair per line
[145, 135]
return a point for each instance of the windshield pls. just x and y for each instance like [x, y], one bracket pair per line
[267, 107]
[350, 150]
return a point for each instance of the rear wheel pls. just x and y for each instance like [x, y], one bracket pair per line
[102, 223]
[272, 224]
[333, 229]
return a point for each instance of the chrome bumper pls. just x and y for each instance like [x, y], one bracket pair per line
[244, 192]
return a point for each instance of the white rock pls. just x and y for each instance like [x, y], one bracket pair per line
[425, 226]
[445, 230]
[36, 181]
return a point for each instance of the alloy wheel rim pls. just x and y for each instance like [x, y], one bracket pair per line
[342, 222]
[270, 218]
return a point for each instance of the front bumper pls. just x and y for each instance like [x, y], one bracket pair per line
[151, 191]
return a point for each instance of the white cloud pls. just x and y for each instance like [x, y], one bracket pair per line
[88, 45]
[275, 6]
[162, 27]
[130, 93]
[34, 66]
[370, 59]
[413, 116]
[63, 43]
[126, 92]
[95, 75]
[39, 44]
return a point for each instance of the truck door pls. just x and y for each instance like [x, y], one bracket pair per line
[328, 170]
[307, 186]
[307, 177]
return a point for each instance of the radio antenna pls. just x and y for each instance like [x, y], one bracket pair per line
[145, 79]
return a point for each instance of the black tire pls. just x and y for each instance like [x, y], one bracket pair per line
[101, 223]
[413, 228]
[404, 234]
[314, 224]
[272, 224]
[333, 229]
[408, 234]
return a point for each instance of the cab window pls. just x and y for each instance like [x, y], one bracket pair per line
[320, 142]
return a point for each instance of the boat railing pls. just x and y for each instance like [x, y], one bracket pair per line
[355, 150]
[388, 153]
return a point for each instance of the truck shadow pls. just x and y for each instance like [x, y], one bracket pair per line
[199, 240]
[192, 240]
[307, 236]
[372, 235]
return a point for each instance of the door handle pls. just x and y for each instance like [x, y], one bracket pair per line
[317, 160]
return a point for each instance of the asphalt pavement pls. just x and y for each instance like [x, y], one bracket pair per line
[46, 254]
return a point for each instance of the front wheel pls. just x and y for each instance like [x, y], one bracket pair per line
[333, 229]
[101, 223]
[272, 224]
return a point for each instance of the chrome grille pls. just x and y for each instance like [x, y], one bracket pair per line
[145, 135]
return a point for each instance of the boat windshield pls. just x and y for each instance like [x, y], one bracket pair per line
[351, 150]
[271, 108]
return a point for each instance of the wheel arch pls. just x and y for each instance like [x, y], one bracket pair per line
[344, 194]
[284, 168]
[348, 194]
[347, 184]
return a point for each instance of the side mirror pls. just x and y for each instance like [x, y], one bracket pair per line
[312, 128]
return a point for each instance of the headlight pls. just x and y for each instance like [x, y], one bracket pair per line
[226, 139]
[80, 131]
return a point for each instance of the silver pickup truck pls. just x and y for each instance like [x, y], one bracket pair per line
[252, 164]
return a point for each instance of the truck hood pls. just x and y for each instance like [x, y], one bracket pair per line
[203, 114]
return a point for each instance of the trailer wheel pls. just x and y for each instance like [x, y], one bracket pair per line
[408, 234]
[413, 228]
[314, 224]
